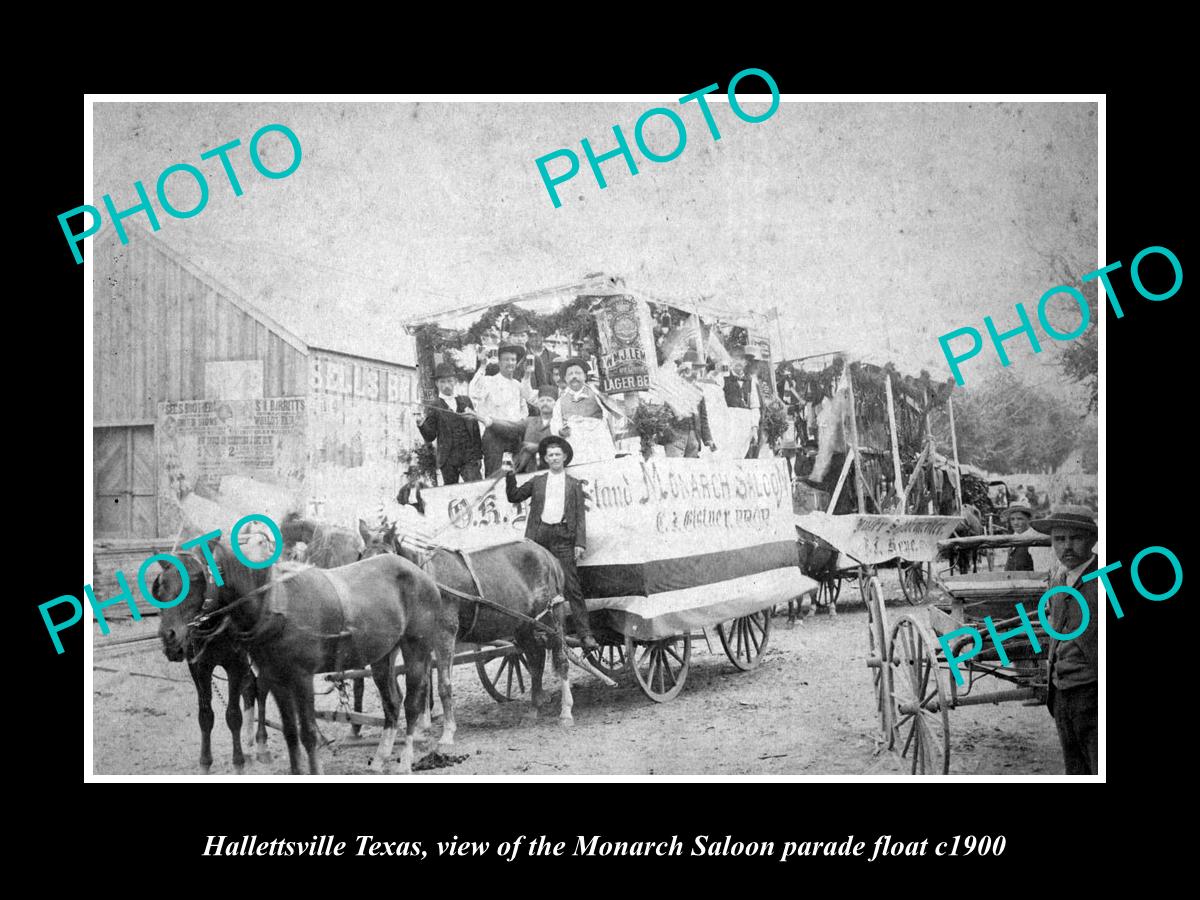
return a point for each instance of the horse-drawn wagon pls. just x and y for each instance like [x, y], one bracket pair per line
[675, 547]
[921, 687]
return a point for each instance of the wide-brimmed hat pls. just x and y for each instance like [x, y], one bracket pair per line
[445, 370]
[548, 390]
[553, 440]
[574, 361]
[511, 348]
[1067, 516]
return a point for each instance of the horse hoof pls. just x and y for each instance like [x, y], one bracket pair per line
[263, 755]
[566, 721]
[378, 766]
[203, 770]
[239, 770]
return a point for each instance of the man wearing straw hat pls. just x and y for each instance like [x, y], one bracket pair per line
[1019, 514]
[557, 521]
[447, 421]
[1073, 695]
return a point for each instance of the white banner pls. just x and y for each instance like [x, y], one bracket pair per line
[638, 511]
[876, 539]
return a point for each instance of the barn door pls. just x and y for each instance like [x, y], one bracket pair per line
[125, 489]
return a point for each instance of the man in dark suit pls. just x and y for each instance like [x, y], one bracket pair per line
[737, 384]
[458, 443]
[557, 521]
[410, 491]
[541, 359]
[1073, 691]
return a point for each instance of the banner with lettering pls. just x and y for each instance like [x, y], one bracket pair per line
[626, 344]
[638, 510]
[876, 539]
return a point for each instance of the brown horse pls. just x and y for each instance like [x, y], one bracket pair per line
[521, 577]
[202, 658]
[326, 547]
[323, 620]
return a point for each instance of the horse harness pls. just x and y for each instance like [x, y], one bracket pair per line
[477, 599]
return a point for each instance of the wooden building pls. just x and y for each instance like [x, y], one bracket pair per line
[199, 393]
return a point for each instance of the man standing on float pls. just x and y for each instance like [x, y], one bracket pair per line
[557, 521]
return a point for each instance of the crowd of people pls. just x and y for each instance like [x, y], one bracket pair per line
[521, 393]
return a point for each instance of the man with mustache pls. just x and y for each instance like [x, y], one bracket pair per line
[1073, 695]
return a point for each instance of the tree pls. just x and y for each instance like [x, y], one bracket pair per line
[1081, 362]
[1006, 426]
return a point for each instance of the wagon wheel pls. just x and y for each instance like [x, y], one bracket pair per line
[610, 659]
[914, 581]
[505, 677]
[877, 659]
[745, 639]
[660, 667]
[920, 696]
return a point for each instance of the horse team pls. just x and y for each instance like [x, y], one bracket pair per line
[354, 601]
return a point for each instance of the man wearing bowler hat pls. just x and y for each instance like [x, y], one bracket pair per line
[557, 521]
[449, 421]
[1073, 691]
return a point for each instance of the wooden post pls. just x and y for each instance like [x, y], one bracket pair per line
[858, 474]
[899, 482]
[954, 447]
[932, 449]
[837, 491]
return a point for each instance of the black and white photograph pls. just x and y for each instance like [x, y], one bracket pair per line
[734, 433]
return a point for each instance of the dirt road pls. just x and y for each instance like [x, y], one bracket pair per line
[807, 709]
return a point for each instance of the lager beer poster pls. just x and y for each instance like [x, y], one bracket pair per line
[626, 336]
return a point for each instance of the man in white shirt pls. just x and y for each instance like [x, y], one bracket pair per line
[557, 521]
[501, 405]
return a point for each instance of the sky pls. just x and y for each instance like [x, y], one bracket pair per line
[873, 228]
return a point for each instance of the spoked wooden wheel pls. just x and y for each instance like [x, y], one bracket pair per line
[921, 702]
[505, 677]
[660, 667]
[914, 581]
[877, 657]
[609, 659]
[745, 639]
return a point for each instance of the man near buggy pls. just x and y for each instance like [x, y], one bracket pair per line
[448, 422]
[1019, 514]
[557, 521]
[1073, 690]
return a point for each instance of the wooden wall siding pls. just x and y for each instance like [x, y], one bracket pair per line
[157, 324]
